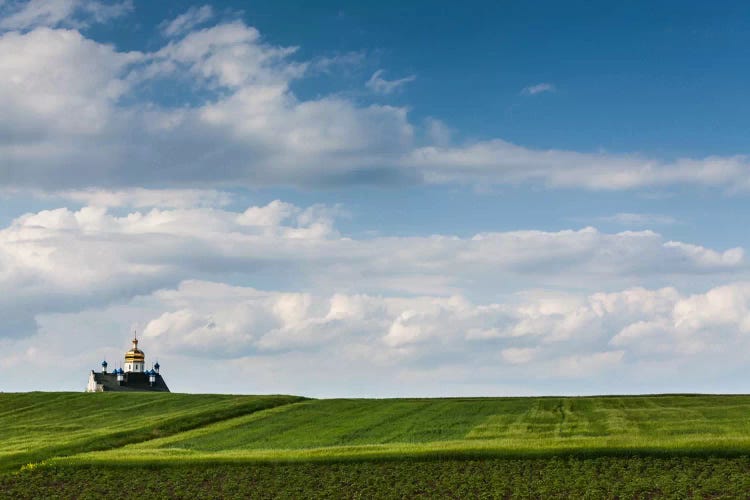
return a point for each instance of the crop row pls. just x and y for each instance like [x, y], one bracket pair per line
[604, 477]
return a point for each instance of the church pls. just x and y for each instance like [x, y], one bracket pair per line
[132, 377]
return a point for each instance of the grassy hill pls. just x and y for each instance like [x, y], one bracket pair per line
[37, 426]
[341, 429]
[368, 446]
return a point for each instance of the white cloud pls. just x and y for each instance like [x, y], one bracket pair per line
[538, 88]
[57, 84]
[500, 162]
[239, 321]
[193, 17]
[53, 13]
[231, 55]
[570, 336]
[380, 85]
[707, 322]
[84, 127]
[273, 214]
[66, 260]
[302, 342]
[72, 131]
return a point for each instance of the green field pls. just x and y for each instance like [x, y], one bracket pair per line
[572, 443]
[37, 426]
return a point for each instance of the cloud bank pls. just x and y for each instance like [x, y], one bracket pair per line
[64, 260]
[88, 124]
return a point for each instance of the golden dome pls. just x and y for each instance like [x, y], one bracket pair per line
[135, 354]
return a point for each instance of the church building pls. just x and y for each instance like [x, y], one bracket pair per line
[132, 377]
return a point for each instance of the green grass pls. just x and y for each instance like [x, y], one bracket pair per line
[337, 430]
[39, 426]
[573, 444]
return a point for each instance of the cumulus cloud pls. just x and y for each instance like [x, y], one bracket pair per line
[86, 125]
[252, 339]
[64, 259]
[50, 113]
[238, 321]
[570, 335]
[380, 85]
[72, 130]
[538, 88]
[696, 323]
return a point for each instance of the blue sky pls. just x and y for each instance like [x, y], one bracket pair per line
[377, 199]
[664, 78]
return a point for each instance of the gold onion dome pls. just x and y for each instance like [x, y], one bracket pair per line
[135, 354]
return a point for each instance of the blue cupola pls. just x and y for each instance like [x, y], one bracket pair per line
[156, 367]
[104, 366]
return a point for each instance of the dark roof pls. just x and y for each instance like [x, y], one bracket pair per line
[132, 381]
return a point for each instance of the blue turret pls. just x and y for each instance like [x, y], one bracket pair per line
[156, 367]
[104, 366]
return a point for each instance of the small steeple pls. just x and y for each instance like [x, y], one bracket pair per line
[104, 366]
[135, 359]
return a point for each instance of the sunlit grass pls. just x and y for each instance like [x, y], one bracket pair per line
[341, 430]
[138, 429]
[37, 426]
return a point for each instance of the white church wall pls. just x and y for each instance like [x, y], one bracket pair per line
[92, 385]
[133, 367]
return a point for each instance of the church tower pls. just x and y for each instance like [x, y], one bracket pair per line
[135, 359]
